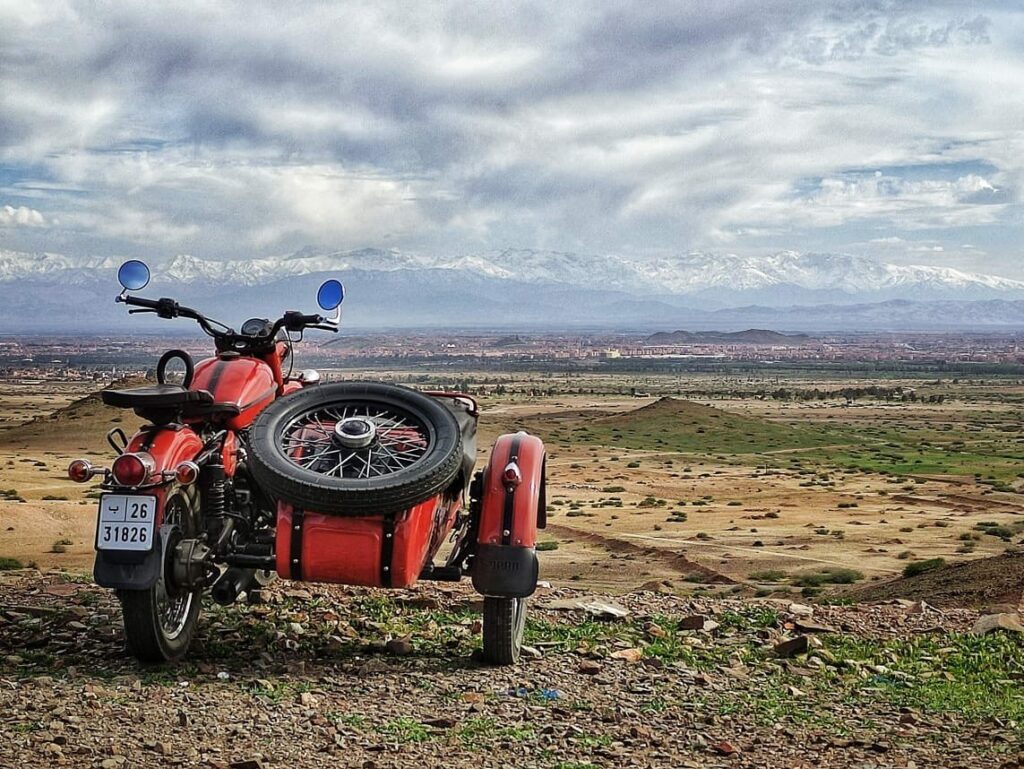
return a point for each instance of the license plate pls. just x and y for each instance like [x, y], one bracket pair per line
[126, 522]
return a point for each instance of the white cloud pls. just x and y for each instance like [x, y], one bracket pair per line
[21, 216]
[610, 127]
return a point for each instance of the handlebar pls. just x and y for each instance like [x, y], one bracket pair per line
[168, 308]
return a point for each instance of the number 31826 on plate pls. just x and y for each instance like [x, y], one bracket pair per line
[125, 522]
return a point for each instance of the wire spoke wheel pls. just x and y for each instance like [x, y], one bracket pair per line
[359, 440]
[173, 609]
[160, 621]
[356, 448]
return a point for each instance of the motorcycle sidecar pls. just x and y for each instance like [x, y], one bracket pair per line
[370, 480]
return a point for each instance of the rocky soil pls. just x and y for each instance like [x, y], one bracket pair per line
[314, 676]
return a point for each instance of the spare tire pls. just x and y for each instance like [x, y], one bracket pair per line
[355, 448]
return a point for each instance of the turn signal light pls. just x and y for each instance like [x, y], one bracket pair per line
[80, 470]
[186, 473]
[512, 475]
[132, 469]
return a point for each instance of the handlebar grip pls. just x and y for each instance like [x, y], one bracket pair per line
[138, 301]
[296, 321]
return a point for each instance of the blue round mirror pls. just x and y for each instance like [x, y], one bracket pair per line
[330, 295]
[133, 275]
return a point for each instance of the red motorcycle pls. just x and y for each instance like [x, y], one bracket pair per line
[245, 470]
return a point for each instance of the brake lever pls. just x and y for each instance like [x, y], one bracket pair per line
[140, 309]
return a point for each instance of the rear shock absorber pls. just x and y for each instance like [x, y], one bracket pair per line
[219, 525]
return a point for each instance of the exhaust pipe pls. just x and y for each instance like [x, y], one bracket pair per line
[232, 583]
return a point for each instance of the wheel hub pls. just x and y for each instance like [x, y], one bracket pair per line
[355, 432]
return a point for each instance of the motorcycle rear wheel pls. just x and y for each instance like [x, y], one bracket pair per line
[160, 623]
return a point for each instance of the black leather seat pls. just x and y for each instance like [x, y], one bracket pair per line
[165, 396]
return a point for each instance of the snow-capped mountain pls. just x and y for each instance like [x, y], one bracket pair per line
[526, 287]
[683, 275]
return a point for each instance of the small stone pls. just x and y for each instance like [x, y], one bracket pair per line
[655, 630]
[440, 723]
[725, 747]
[399, 647]
[589, 668]
[163, 748]
[800, 609]
[604, 610]
[629, 655]
[307, 700]
[296, 628]
[792, 646]
[693, 622]
[993, 623]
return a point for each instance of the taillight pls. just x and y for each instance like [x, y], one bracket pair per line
[80, 470]
[512, 475]
[187, 473]
[132, 469]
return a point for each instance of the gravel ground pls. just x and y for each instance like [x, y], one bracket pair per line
[316, 676]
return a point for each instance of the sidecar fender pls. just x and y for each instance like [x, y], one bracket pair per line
[512, 508]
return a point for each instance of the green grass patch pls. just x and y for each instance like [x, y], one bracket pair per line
[977, 677]
[694, 428]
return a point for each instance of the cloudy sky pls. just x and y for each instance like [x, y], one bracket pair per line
[250, 128]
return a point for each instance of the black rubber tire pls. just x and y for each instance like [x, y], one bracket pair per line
[504, 624]
[286, 481]
[144, 634]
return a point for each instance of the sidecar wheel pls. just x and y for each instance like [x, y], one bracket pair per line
[159, 624]
[355, 448]
[504, 624]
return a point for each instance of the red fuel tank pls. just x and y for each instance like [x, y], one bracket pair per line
[245, 383]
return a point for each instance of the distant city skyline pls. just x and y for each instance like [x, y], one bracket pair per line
[247, 129]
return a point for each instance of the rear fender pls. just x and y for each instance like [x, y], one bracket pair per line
[511, 510]
[126, 570]
[168, 445]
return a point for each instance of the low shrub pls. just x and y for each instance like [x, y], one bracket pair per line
[920, 567]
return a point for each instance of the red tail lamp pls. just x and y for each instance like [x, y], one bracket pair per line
[133, 469]
[186, 473]
[512, 475]
[81, 470]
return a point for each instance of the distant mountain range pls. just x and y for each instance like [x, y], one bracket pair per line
[525, 289]
[749, 336]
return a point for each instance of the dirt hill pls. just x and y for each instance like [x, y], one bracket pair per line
[674, 424]
[980, 583]
[81, 423]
